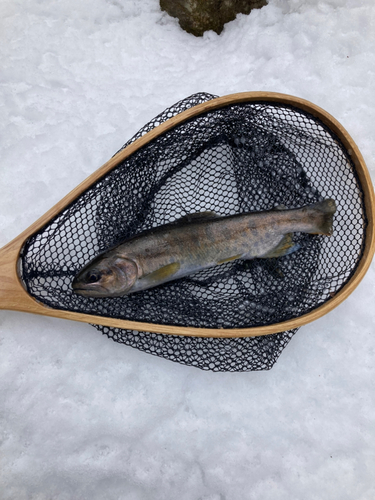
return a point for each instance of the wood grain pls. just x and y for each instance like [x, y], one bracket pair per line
[13, 295]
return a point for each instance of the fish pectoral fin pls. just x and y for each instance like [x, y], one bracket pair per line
[163, 273]
[229, 259]
[285, 247]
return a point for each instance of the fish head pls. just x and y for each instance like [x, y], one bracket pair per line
[106, 277]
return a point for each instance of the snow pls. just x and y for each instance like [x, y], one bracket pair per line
[85, 418]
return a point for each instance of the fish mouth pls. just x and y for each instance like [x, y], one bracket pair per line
[86, 291]
[89, 293]
[82, 291]
[79, 290]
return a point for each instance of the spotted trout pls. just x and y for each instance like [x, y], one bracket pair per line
[196, 242]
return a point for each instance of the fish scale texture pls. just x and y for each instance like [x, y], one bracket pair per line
[241, 158]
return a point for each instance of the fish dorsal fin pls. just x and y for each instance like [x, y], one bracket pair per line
[285, 247]
[197, 217]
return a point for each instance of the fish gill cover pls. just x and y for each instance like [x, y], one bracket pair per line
[240, 158]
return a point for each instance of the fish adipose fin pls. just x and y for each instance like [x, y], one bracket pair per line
[285, 247]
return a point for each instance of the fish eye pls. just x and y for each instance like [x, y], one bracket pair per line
[93, 277]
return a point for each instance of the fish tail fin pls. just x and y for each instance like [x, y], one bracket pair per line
[322, 217]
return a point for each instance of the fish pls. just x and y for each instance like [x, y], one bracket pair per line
[199, 241]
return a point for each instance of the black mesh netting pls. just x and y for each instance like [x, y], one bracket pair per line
[241, 158]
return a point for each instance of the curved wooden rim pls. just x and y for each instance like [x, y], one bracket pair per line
[13, 295]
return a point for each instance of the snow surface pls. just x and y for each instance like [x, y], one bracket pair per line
[82, 417]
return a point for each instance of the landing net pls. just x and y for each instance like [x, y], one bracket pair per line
[241, 158]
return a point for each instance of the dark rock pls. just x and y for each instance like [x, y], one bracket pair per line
[198, 16]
